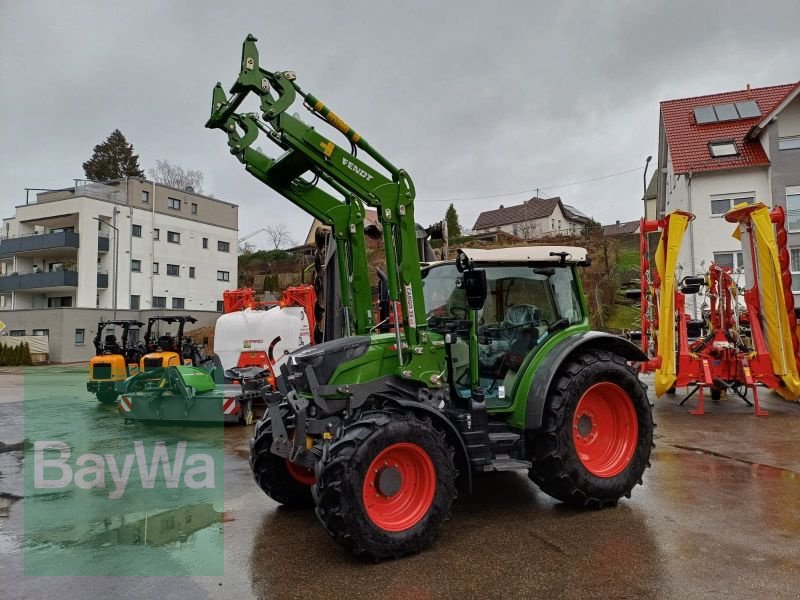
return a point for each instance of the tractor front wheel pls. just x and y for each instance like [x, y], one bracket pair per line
[107, 396]
[387, 485]
[283, 481]
[597, 432]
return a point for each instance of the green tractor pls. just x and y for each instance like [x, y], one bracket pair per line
[493, 367]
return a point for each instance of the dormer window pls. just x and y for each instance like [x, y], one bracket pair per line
[722, 148]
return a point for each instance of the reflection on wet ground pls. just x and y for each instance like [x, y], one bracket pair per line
[718, 516]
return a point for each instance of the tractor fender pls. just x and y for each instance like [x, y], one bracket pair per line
[588, 340]
[462, 457]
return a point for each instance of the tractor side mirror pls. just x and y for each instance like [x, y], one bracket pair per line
[474, 284]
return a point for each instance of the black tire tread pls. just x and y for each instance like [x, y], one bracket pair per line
[271, 474]
[337, 491]
[556, 468]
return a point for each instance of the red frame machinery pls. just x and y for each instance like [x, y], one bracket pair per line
[720, 358]
[303, 296]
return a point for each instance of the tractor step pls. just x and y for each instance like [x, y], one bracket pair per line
[506, 463]
[504, 437]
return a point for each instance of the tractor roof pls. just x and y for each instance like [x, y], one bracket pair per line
[528, 254]
[186, 319]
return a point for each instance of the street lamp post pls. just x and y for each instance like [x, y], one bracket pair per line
[116, 262]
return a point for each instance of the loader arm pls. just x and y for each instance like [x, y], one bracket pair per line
[352, 182]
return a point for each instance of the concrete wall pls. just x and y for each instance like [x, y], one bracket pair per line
[62, 323]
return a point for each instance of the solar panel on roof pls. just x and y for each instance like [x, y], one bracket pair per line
[748, 109]
[705, 114]
[726, 112]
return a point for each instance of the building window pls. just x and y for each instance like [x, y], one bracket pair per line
[223, 246]
[156, 234]
[731, 260]
[789, 142]
[59, 302]
[794, 253]
[793, 209]
[205, 243]
[80, 335]
[16, 332]
[136, 230]
[159, 302]
[223, 276]
[722, 203]
[220, 307]
[723, 148]
[173, 203]
[552, 223]
[136, 265]
[191, 272]
[155, 268]
[194, 208]
[145, 196]
[173, 270]
[177, 302]
[135, 301]
[42, 332]
[173, 237]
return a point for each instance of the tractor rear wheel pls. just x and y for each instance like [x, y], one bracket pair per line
[107, 396]
[283, 481]
[597, 432]
[387, 486]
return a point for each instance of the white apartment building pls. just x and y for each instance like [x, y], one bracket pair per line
[719, 150]
[124, 245]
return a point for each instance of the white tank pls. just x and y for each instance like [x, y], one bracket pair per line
[247, 337]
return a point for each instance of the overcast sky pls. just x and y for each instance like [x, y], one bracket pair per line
[472, 99]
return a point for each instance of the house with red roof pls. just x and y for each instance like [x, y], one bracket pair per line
[719, 150]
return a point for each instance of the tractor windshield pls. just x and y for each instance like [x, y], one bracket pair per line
[524, 306]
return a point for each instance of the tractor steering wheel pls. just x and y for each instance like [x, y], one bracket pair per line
[459, 312]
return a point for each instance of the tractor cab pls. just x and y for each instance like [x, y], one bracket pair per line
[523, 297]
[169, 349]
[116, 358]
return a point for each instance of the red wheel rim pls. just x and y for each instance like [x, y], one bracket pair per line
[605, 429]
[304, 475]
[399, 487]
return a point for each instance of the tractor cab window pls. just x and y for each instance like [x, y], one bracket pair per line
[524, 307]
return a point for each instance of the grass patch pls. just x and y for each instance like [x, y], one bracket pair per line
[622, 316]
[627, 260]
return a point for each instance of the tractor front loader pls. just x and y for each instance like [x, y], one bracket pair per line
[491, 365]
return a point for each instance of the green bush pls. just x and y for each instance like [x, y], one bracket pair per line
[26, 355]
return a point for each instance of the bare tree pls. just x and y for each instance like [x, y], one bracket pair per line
[279, 235]
[176, 176]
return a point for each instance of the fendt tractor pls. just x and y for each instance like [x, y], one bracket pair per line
[492, 365]
[115, 359]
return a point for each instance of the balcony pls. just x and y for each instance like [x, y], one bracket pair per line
[37, 242]
[45, 279]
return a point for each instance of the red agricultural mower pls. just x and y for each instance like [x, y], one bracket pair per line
[738, 346]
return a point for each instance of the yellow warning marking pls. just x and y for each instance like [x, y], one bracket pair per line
[327, 149]
[319, 106]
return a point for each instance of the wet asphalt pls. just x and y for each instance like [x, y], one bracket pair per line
[718, 516]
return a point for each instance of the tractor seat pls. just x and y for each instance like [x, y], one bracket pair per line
[111, 345]
[518, 317]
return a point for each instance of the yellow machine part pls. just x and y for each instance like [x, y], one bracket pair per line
[118, 372]
[168, 359]
[774, 316]
[666, 260]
